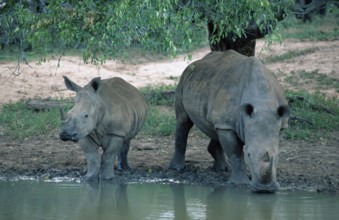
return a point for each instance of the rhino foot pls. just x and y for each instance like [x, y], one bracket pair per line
[177, 167]
[219, 167]
[107, 175]
[90, 178]
[123, 166]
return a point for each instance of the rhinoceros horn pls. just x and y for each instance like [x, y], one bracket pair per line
[266, 172]
[62, 114]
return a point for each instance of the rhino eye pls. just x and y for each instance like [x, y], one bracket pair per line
[84, 115]
[249, 109]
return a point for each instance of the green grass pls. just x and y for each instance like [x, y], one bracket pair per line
[159, 122]
[17, 121]
[319, 29]
[312, 116]
[320, 80]
[13, 54]
[289, 55]
[161, 95]
[160, 118]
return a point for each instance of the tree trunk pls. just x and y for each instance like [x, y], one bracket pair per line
[245, 45]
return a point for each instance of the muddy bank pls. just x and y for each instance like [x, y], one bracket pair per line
[302, 165]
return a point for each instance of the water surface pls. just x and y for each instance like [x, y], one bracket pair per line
[32, 200]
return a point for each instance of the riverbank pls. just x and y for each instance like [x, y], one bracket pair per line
[302, 165]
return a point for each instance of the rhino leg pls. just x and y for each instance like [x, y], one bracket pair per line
[216, 151]
[123, 162]
[183, 126]
[111, 149]
[90, 148]
[234, 151]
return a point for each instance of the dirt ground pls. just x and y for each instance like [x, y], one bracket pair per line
[302, 165]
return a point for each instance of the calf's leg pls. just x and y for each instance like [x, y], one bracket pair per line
[90, 149]
[111, 148]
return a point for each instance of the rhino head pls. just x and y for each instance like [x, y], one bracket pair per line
[261, 131]
[82, 118]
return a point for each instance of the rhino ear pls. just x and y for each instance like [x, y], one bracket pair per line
[71, 85]
[95, 83]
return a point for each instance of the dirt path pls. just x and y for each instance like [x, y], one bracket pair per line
[302, 165]
[45, 80]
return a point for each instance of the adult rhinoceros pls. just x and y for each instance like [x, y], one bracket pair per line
[107, 113]
[237, 103]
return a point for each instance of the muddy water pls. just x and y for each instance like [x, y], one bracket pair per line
[32, 200]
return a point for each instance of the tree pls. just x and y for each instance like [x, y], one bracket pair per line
[103, 29]
[305, 8]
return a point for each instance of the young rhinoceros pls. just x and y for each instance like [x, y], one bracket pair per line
[238, 103]
[107, 113]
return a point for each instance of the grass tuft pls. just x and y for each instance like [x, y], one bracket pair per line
[313, 116]
[320, 28]
[320, 81]
[17, 121]
[159, 122]
[161, 95]
[289, 55]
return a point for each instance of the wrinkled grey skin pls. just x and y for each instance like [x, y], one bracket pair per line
[238, 103]
[107, 113]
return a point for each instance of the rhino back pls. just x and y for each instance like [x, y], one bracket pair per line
[123, 108]
[199, 84]
[212, 89]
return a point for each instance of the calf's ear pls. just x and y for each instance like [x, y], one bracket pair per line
[71, 85]
[95, 83]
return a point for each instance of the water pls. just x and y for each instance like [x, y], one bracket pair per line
[32, 200]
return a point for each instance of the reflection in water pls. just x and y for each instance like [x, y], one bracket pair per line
[237, 205]
[24, 200]
[59, 201]
[179, 201]
[104, 201]
[186, 204]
